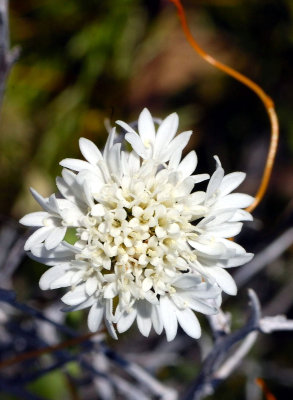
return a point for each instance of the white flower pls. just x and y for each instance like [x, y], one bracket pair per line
[147, 244]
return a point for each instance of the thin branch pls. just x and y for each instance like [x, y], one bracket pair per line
[217, 366]
[105, 389]
[220, 324]
[45, 350]
[267, 101]
[269, 254]
[13, 258]
[206, 378]
[275, 323]
[7, 57]
[281, 302]
[234, 361]
[136, 372]
[130, 391]
[164, 393]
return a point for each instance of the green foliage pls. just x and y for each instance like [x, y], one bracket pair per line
[51, 386]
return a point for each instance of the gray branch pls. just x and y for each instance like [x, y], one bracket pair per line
[262, 259]
[225, 356]
[7, 56]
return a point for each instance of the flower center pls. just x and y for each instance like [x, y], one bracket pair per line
[135, 237]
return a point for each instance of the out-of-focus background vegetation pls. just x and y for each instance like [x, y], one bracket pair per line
[83, 61]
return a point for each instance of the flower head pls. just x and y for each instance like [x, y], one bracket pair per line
[149, 247]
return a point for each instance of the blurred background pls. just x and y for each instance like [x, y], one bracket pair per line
[84, 61]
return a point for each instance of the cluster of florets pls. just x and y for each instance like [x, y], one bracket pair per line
[148, 247]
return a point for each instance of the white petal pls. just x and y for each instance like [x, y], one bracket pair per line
[63, 188]
[41, 200]
[110, 290]
[175, 159]
[209, 288]
[77, 277]
[213, 249]
[63, 281]
[224, 280]
[133, 163]
[125, 321]
[75, 296]
[70, 213]
[111, 329]
[241, 215]
[185, 187]
[109, 144]
[143, 318]
[69, 187]
[147, 284]
[168, 317]
[187, 281]
[37, 237]
[177, 144]
[205, 290]
[188, 164]
[215, 182]
[225, 230]
[136, 144]
[94, 179]
[90, 151]
[151, 297]
[236, 261]
[88, 195]
[87, 303]
[74, 249]
[35, 218]
[50, 261]
[231, 182]
[125, 126]
[55, 237]
[124, 163]
[98, 210]
[197, 304]
[156, 319]
[189, 323]
[59, 252]
[52, 204]
[109, 318]
[68, 176]
[166, 132]
[233, 246]
[199, 178]
[91, 285]
[146, 127]
[95, 317]
[197, 197]
[234, 200]
[216, 218]
[75, 164]
[114, 160]
[51, 275]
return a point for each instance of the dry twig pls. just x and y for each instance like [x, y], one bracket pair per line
[224, 358]
[7, 57]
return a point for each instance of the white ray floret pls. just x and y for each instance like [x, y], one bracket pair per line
[146, 242]
[159, 145]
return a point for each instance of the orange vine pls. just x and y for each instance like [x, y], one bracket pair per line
[267, 101]
[261, 383]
